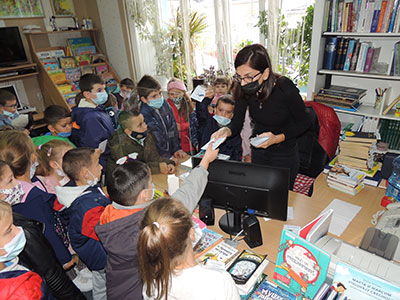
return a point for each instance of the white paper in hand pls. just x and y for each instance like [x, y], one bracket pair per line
[199, 93]
[215, 145]
[258, 140]
[102, 146]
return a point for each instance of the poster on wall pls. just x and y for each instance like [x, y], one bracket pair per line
[20, 9]
[63, 8]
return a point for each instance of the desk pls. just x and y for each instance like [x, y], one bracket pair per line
[304, 210]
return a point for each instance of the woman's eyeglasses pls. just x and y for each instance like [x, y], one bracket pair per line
[246, 79]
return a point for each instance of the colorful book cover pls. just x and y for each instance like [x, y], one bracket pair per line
[58, 76]
[222, 252]
[50, 64]
[65, 88]
[270, 291]
[101, 69]
[301, 267]
[355, 284]
[82, 60]
[85, 50]
[208, 239]
[87, 70]
[346, 175]
[67, 62]
[73, 74]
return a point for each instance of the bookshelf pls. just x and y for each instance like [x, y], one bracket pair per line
[323, 78]
[56, 40]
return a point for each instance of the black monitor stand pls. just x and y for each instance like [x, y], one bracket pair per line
[231, 222]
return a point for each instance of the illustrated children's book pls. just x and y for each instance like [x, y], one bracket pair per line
[300, 266]
[346, 175]
[353, 284]
[208, 240]
[270, 291]
[221, 253]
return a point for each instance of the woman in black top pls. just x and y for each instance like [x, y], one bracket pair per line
[276, 109]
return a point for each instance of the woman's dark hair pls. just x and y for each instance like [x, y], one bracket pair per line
[164, 237]
[256, 56]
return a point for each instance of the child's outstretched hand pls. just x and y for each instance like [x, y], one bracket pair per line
[209, 156]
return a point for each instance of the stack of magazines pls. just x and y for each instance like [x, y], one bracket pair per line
[341, 97]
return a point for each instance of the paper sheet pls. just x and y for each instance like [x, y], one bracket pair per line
[343, 214]
[173, 184]
[199, 93]
[102, 146]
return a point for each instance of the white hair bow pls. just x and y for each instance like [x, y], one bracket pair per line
[124, 159]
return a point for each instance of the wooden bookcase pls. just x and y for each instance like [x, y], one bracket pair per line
[320, 78]
[53, 40]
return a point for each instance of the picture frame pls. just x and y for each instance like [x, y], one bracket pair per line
[21, 9]
[63, 8]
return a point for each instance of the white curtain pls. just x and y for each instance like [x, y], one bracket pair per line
[222, 12]
[185, 9]
[273, 33]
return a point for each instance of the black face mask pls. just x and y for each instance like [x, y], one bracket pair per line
[251, 88]
[139, 135]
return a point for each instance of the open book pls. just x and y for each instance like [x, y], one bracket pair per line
[317, 228]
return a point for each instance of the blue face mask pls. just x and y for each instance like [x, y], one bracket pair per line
[156, 103]
[14, 247]
[101, 98]
[64, 134]
[222, 120]
[12, 116]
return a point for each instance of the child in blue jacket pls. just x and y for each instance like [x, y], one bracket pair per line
[159, 118]
[223, 115]
[91, 123]
[84, 203]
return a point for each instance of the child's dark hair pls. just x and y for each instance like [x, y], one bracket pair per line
[164, 237]
[55, 113]
[132, 103]
[87, 82]
[127, 181]
[146, 85]
[47, 152]
[128, 83]
[221, 80]
[75, 159]
[125, 117]
[16, 149]
[228, 99]
[6, 96]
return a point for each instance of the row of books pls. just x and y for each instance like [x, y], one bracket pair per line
[362, 16]
[394, 65]
[355, 150]
[346, 54]
[340, 97]
[390, 133]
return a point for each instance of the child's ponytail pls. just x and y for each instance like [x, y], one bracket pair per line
[164, 237]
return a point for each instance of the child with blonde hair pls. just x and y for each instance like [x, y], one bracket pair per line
[49, 170]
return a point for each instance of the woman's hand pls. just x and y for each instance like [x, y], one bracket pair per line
[273, 139]
[209, 92]
[220, 133]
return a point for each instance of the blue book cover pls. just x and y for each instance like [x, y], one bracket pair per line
[301, 266]
[375, 20]
[270, 291]
[349, 54]
[355, 284]
[330, 53]
[394, 13]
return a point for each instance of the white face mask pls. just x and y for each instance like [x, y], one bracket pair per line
[14, 194]
[32, 171]
[94, 181]
[60, 172]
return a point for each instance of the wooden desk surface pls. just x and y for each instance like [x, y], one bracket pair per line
[304, 210]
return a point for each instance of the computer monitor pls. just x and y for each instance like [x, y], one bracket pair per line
[244, 188]
[11, 48]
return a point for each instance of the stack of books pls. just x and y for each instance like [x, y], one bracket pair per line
[355, 150]
[362, 16]
[345, 179]
[341, 97]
